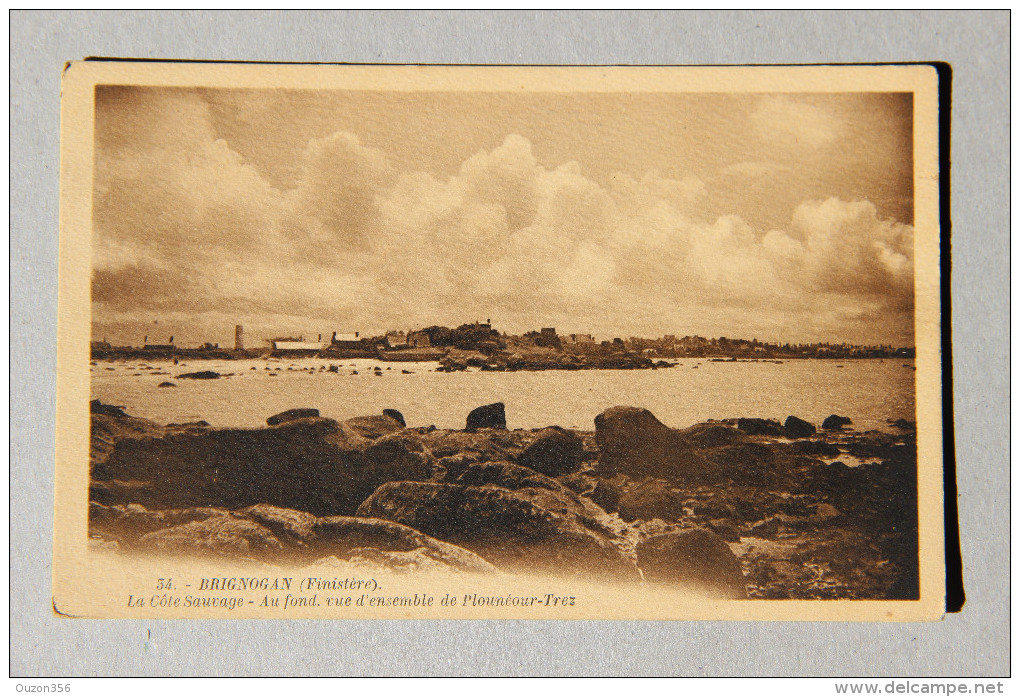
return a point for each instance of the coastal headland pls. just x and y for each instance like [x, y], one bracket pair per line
[479, 345]
[740, 508]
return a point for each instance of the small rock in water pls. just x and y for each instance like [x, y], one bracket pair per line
[167, 383]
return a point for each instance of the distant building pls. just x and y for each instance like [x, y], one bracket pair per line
[548, 332]
[347, 341]
[103, 345]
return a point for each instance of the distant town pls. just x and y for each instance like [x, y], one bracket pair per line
[479, 344]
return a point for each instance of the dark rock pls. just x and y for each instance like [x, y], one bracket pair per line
[761, 427]
[487, 416]
[696, 558]
[395, 415]
[798, 428]
[632, 441]
[556, 451]
[650, 499]
[291, 415]
[167, 383]
[505, 527]
[905, 425]
[200, 375]
[836, 423]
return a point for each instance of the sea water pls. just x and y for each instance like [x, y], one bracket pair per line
[871, 392]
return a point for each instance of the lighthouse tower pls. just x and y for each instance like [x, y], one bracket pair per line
[239, 338]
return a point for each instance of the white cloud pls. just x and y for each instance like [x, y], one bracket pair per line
[187, 225]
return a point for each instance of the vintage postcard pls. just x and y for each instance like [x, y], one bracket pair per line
[493, 342]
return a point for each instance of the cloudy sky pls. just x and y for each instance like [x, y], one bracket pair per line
[781, 217]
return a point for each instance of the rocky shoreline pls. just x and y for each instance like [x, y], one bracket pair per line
[743, 508]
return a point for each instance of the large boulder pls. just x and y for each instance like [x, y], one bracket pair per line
[555, 452]
[291, 415]
[508, 528]
[698, 559]
[487, 416]
[712, 435]
[633, 442]
[798, 428]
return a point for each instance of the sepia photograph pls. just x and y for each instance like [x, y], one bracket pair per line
[480, 342]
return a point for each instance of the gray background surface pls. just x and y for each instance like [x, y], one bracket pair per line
[974, 642]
